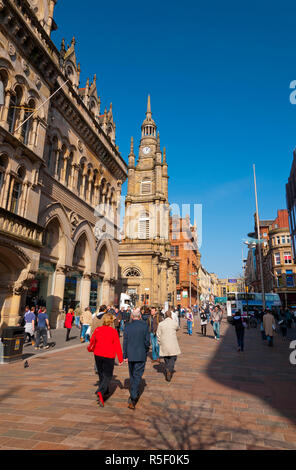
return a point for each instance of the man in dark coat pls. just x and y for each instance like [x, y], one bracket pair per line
[136, 343]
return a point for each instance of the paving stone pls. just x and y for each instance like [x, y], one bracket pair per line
[217, 397]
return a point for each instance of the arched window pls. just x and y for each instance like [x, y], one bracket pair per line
[68, 169]
[3, 164]
[14, 109]
[61, 162]
[132, 272]
[15, 191]
[26, 128]
[49, 155]
[3, 85]
[144, 226]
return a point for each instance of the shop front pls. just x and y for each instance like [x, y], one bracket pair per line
[41, 290]
[72, 291]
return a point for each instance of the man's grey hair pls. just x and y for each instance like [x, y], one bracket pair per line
[136, 314]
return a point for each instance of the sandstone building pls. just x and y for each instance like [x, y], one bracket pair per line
[60, 173]
[146, 268]
[185, 252]
[279, 269]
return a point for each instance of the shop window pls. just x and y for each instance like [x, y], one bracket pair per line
[289, 278]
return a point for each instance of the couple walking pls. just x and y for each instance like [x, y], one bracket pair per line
[105, 345]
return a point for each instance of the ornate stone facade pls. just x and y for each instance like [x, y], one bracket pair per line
[145, 264]
[60, 172]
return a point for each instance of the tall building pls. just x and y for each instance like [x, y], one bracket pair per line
[185, 252]
[279, 269]
[60, 172]
[146, 268]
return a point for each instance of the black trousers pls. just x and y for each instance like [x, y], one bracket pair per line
[136, 371]
[169, 362]
[68, 334]
[105, 366]
[204, 330]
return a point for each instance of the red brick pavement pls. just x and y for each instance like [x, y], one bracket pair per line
[218, 399]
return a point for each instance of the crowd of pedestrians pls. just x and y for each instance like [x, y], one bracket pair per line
[143, 329]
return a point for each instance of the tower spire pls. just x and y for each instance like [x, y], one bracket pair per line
[149, 114]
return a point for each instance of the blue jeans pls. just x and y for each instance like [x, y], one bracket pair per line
[121, 325]
[270, 340]
[189, 327]
[83, 331]
[216, 328]
[136, 370]
[77, 321]
[155, 347]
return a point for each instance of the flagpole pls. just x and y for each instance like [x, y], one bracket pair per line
[259, 241]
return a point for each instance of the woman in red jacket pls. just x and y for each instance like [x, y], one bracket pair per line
[106, 346]
[69, 322]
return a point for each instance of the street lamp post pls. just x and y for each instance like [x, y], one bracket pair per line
[191, 274]
[259, 244]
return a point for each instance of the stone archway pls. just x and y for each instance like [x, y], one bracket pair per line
[14, 272]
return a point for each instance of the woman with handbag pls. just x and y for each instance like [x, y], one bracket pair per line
[105, 345]
[69, 322]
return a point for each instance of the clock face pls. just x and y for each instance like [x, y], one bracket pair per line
[146, 150]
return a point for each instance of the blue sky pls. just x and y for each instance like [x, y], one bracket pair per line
[219, 75]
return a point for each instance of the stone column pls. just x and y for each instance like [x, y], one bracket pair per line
[85, 290]
[56, 319]
[5, 110]
[15, 305]
[33, 133]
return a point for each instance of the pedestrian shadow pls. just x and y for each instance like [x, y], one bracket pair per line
[169, 426]
[262, 372]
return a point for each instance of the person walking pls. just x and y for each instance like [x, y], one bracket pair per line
[216, 318]
[30, 321]
[86, 322]
[203, 322]
[175, 316]
[77, 312]
[153, 322]
[269, 326]
[283, 323]
[239, 324]
[105, 345]
[168, 343]
[69, 320]
[41, 329]
[136, 343]
[190, 319]
[117, 321]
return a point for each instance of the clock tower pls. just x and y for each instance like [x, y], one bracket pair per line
[146, 269]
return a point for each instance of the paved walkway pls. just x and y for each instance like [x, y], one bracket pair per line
[218, 399]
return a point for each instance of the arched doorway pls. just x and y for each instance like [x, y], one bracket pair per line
[13, 267]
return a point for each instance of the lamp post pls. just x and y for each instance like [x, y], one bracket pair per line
[191, 274]
[259, 240]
